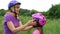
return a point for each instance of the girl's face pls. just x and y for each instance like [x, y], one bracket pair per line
[34, 23]
[16, 9]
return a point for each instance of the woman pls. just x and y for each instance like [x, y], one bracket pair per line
[12, 24]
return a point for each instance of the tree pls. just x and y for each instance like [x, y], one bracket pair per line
[54, 11]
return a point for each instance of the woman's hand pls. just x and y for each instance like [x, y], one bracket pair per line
[31, 22]
[34, 23]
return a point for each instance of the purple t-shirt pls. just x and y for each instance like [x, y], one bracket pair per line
[9, 17]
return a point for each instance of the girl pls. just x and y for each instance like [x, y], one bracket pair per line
[12, 24]
[40, 21]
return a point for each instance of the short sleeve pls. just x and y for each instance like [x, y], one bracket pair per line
[7, 18]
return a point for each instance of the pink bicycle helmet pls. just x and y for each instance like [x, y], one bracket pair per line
[40, 19]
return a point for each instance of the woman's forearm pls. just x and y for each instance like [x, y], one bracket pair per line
[20, 28]
[13, 29]
[28, 27]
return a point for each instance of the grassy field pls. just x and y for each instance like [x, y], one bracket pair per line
[51, 27]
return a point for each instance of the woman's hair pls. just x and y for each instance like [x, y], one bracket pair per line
[13, 3]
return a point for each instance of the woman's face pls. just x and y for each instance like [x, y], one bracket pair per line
[16, 9]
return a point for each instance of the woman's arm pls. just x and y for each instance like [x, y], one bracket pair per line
[13, 29]
[21, 27]
[26, 28]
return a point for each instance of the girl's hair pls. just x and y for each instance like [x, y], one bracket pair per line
[41, 30]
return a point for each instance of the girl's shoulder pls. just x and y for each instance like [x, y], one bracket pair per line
[36, 31]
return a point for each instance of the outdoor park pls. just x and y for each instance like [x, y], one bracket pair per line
[52, 25]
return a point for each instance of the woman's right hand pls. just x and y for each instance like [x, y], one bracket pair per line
[31, 22]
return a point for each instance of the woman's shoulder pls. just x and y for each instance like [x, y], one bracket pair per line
[7, 15]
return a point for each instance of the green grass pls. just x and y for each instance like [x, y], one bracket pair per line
[51, 27]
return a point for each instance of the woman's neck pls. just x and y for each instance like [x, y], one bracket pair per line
[12, 13]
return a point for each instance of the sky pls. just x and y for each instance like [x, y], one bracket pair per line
[39, 5]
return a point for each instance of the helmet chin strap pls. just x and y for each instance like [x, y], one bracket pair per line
[14, 12]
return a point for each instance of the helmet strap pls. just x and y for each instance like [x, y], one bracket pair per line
[14, 12]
